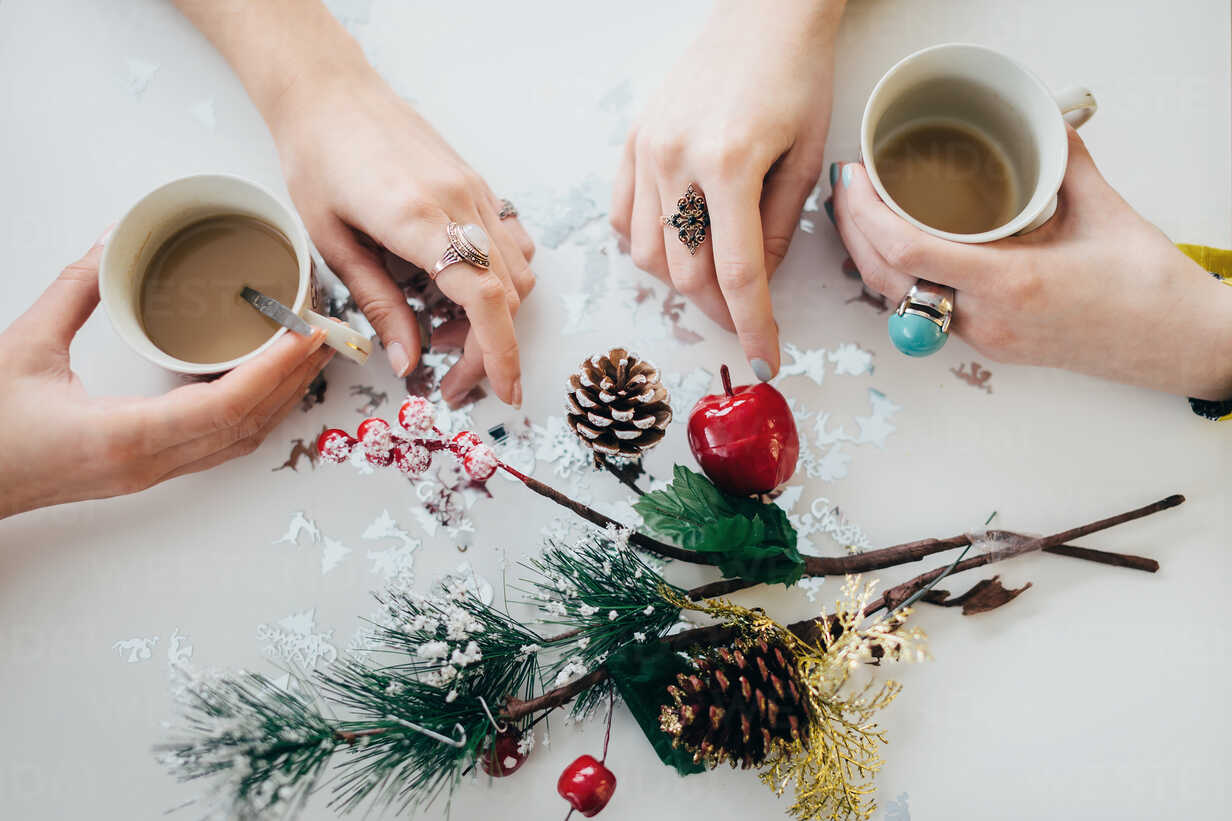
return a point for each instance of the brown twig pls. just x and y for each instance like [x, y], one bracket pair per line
[813, 565]
[596, 518]
[899, 593]
[808, 628]
[622, 474]
[516, 708]
[1142, 563]
[351, 736]
[724, 587]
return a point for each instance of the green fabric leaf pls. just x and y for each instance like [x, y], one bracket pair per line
[641, 673]
[754, 539]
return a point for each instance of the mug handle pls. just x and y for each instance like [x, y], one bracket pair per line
[346, 341]
[1077, 105]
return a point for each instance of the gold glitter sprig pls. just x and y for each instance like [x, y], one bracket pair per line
[830, 768]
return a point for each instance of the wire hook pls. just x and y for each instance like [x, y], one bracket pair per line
[444, 739]
[500, 727]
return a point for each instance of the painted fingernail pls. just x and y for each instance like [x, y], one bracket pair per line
[517, 394]
[398, 360]
[829, 206]
[846, 175]
[833, 174]
[761, 369]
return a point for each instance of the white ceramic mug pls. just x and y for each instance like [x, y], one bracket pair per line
[987, 91]
[167, 209]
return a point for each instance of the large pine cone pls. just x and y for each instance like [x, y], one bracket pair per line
[739, 705]
[617, 405]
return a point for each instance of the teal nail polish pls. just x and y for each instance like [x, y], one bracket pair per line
[833, 174]
[761, 369]
[829, 206]
[847, 174]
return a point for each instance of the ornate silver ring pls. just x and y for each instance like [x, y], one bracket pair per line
[467, 243]
[507, 210]
[691, 219]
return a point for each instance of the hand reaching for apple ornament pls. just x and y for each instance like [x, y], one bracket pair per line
[744, 438]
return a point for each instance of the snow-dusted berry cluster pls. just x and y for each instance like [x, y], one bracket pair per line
[410, 448]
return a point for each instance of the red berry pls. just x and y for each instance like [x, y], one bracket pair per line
[376, 438]
[587, 785]
[416, 416]
[503, 758]
[744, 438]
[411, 458]
[480, 463]
[464, 441]
[381, 460]
[335, 445]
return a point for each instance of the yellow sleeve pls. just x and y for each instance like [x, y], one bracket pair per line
[1219, 262]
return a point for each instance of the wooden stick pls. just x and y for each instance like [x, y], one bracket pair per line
[720, 633]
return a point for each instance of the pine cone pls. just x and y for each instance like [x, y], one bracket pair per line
[617, 405]
[739, 705]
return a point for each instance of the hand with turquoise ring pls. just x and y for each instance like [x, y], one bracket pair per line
[1097, 289]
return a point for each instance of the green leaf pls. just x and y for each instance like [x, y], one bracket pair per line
[642, 673]
[754, 539]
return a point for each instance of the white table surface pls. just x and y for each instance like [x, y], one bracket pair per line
[1100, 693]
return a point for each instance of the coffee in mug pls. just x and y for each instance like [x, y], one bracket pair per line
[949, 176]
[190, 294]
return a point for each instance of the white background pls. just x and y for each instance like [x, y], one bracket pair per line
[1100, 693]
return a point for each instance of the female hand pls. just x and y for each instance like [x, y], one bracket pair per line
[743, 117]
[367, 172]
[59, 444]
[1097, 289]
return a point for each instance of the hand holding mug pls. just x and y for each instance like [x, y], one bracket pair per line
[60, 444]
[965, 144]
[1097, 289]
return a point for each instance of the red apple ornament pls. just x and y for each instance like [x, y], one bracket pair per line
[587, 785]
[744, 438]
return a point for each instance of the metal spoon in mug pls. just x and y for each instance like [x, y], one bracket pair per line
[276, 311]
[338, 335]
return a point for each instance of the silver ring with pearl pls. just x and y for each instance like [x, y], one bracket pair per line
[467, 243]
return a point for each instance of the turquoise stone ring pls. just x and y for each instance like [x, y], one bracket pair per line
[921, 324]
